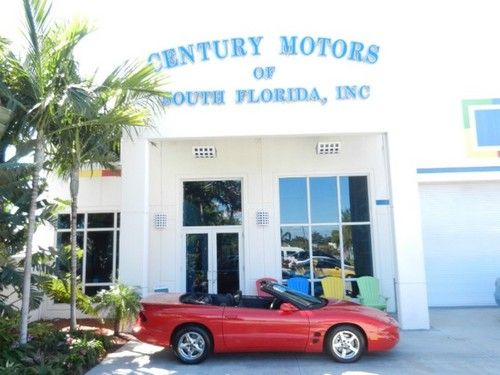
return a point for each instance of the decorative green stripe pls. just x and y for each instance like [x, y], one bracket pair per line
[465, 108]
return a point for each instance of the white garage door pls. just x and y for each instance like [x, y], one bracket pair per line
[461, 234]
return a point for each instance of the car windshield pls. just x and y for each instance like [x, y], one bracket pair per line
[296, 297]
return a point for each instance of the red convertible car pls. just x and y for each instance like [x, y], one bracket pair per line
[196, 324]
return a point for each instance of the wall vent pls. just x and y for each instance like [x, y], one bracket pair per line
[328, 148]
[160, 221]
[204, 152]
[262, 217]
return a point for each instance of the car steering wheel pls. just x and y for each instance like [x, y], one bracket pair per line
[237, 297]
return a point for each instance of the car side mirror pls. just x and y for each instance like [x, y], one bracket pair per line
[288, 307]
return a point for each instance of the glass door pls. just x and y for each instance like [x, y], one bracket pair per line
[197, 263]
[213, 261]
[228, 262]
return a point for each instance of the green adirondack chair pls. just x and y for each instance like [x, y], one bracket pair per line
[369, 293]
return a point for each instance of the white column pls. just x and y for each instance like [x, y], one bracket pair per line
[411, 285]
[134, 231]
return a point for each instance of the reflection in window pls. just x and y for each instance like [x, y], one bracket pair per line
[357, 250]
[91, 291]
[228, 261]
[99, 262]
[208, 203]
[326, 251]
[334, 238]
[295, 251]
[197, 262]
[101, 220]
[293, 200]
[63, 221]
[99, 243]
[117, 261]
[324, 205]
[354, 199]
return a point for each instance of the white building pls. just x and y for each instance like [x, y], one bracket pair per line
[364, 134]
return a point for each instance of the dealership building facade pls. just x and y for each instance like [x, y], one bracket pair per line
[303, 149]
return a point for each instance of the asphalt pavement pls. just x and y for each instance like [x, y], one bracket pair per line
[460, 341]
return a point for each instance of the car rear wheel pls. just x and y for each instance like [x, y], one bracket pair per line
[346, 343]
[191, 345]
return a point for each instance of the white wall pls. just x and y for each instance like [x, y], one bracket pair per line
[433, 55]
[260, 162]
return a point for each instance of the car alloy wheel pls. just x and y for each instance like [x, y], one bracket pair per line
[346, 344]
[191, 345]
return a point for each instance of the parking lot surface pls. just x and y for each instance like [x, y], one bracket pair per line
[460, 341]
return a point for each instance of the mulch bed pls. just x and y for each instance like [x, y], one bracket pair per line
[97, 326]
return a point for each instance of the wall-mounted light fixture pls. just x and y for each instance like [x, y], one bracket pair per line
[204, 152]
[328, 148]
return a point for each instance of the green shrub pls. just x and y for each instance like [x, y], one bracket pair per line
[10, 368]
[49, 351]
[39, 330]
[84, 352]
[9, 332]
[9, 337]
[120, 303]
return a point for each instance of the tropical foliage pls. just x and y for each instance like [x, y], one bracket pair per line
[72, 120]
[34, 85]
[48, 350]
[120, 303]
[89, 133]
[56, 279]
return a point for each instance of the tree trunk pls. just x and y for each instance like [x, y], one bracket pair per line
[117, 326]
[25, 306]
[73, 187]
[117, 321]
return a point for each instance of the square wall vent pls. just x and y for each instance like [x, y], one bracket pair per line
[328, 148]
[262, 217]
[204, 152]
[160, 221]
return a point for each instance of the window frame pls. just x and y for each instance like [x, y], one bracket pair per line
[115, 229]
[339, 224]
[183, 180]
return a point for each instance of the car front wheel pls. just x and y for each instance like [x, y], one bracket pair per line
[346, 343]
[191, 345]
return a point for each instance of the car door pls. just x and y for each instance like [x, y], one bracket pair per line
[254, 329]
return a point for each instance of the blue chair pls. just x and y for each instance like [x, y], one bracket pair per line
[300, 284]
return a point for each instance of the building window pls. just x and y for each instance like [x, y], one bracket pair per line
[325, 229]
[98, 236]
[212, 203]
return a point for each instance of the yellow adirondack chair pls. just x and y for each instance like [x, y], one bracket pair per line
[333, 287]
[369, 293]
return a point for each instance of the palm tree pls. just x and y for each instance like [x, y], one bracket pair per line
[92, 122]
[35, 86]
[120, 303]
